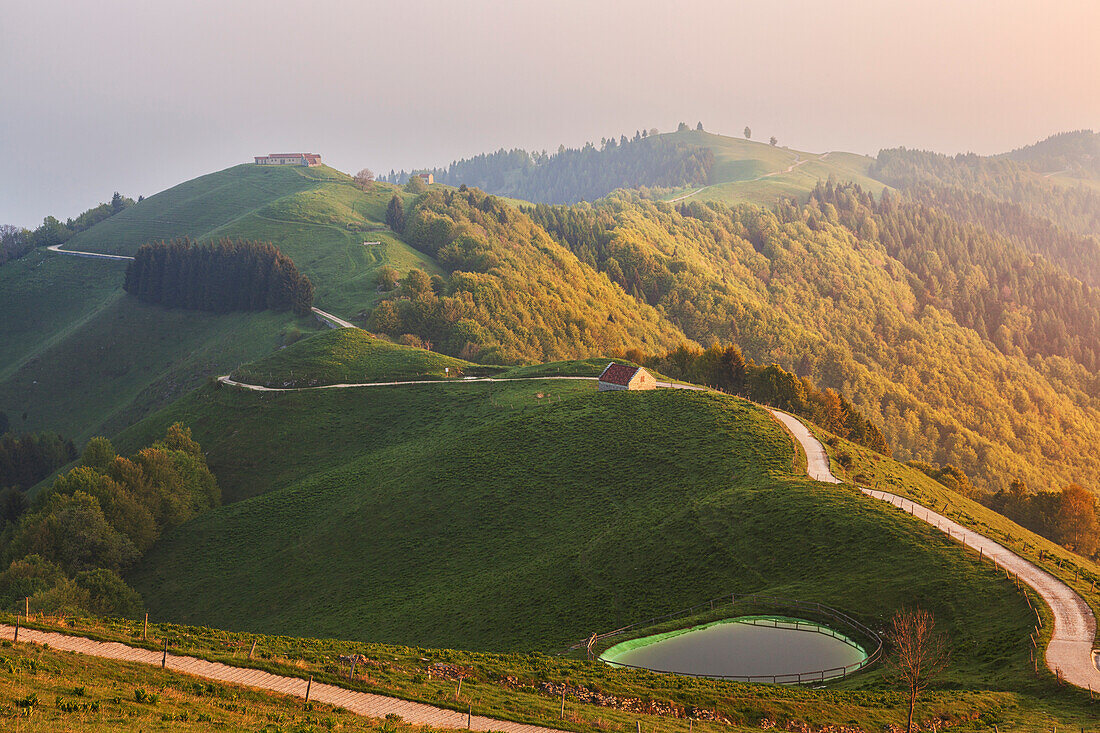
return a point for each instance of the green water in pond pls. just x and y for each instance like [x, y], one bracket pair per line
[748, 646]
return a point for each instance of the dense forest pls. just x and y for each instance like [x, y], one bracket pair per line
[1075, 208]
[66, 551]
[16, 241]
[1018, 302]
[577, 174]
[228, 275]
[27, 459]
[1068, 517]
[1076, 152]
[512, 294]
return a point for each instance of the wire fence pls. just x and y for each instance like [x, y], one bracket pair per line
[739, 603]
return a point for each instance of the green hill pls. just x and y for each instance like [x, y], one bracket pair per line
[350, 356]
[82, 358]
[759, 173]
[526, 514]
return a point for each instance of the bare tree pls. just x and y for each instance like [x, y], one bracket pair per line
[364, 179]
[919, 653]
[773, 141]
[748, 132]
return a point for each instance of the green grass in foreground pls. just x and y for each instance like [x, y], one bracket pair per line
[521, 687]
[351, 356]
[72, 692]
[480, 515]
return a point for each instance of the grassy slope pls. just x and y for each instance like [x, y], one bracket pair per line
[82, 358]
[755, 173]
[46, 297]
[349, 356]
[506, 686]
[430, 516]
[183, 703]
[130, 359]
[867, 468]
[314, 215]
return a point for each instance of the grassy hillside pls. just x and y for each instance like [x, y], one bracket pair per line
[758, 173]
[350, 356]
[46, 297]
[316, 216]
[485, 516]
[73, 692]
[82, 358]
[521, 687]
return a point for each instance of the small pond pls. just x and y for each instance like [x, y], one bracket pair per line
[746, 646]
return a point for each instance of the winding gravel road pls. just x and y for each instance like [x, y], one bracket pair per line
[1070, 651]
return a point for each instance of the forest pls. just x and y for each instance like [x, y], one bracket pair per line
[66, 550]
[223, 276]
[580, 174]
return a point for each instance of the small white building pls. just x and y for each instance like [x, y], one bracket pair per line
[623, 376]
[303, 159]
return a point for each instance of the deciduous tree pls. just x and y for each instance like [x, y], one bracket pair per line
[918, 653]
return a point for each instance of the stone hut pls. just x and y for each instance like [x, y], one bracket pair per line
[622, 376]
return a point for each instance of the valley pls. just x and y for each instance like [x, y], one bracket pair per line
[450, 479]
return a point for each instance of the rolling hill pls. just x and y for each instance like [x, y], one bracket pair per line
[455, 515]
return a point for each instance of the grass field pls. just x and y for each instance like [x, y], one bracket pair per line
[45, 298]
[351, 356]
[756, 173]
[46, 690]
[130, 359]
[485, 517]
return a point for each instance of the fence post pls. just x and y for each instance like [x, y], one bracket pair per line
[309, 684]
[252, 649]
[16, 637]
[145, 629]
[164, 658]
[563, 702]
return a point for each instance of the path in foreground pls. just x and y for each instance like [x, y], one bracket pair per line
[361, 703]
[1071, 645]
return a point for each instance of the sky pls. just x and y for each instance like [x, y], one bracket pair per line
[138, 96]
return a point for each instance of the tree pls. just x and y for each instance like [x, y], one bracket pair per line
[919, 655]
[682, 127]
[388, 278]
[1077, 525]
[773, 141]
[364, 179]
[395, 214]
[748, 133]
[117, 204]
[416, 185]
[699, 126]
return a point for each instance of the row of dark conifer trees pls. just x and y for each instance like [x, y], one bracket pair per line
[228, 275]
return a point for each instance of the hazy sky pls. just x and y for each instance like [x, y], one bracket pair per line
[137, 96]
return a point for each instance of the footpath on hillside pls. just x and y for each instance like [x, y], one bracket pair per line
[1070, 652]
[361, 703]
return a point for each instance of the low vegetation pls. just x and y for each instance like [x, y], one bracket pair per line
[351, 356]
[52, 691]
[525, 687]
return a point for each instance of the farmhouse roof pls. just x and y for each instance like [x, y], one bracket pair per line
[618, 374]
